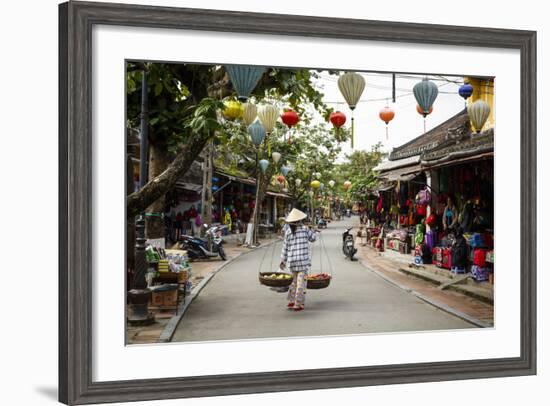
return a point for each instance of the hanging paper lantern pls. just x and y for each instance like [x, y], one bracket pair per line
[244, 78]
[250, 112]
[232, 109]
[331, 183]
[315, 184]
[478, 112]
[285, 170]
[317, 175]
[268, 115]
[425, 93]
[386, 115]
[321, 186]
[257, 133]
[351, 86]
[281, 179]
[337, 118]
[276, 156]
[347, 184]
[290, 118]
[419, 110]
[298, 182]
[465, 90]
[264, 164]
[311, 193]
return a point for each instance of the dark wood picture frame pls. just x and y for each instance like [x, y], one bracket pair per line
[76, 20]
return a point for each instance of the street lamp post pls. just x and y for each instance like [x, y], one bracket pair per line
[140, 294]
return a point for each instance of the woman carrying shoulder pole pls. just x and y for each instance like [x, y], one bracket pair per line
[296, 255]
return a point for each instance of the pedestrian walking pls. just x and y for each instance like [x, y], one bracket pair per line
[296, 255]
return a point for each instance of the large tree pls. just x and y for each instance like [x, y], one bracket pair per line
[175, 93]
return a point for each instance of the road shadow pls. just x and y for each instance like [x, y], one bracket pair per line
[324, 304]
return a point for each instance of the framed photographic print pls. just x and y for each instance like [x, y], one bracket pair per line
[312, 202]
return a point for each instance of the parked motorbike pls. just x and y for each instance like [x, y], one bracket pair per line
[321, 222]
[348, 244]
[198, 248]
[348, 212]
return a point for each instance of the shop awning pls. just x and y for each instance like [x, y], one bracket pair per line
[246, 181]
[397, 163]
[384, 187]
[455, 160]
[275, 194]
[402, 174]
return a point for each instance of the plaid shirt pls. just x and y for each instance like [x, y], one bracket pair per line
[296, 253]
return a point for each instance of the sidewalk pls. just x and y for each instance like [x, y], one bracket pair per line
[199, 271]
[470, 302]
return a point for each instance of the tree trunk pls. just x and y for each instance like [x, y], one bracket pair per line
[154, 221]
[255, 213]
[161, 184]
[260, 196]
[206, 196]
[208, 209]
[130, 224]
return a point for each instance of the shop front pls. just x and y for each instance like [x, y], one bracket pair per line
[436, 200]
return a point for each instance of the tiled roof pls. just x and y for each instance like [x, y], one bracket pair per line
[456, 127]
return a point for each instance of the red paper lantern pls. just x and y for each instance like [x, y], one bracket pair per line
[337, 118]
[290, 118]
[387, 114]
[281, 179]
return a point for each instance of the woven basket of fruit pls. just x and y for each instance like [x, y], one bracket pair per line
[318, 281]
[275, 279]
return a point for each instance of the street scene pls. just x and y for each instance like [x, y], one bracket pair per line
[268, 203]
[233, 305]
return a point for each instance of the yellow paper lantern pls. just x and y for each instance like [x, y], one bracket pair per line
[315, 184]
[233, 109]
[347, 184]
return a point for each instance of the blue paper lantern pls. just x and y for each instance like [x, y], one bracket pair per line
[465, 90]
[425, 93]
[244, 78]
[257, 133]
[264, 163]
[215, 187]
[285, 170]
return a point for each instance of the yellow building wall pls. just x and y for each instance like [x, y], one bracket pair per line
[484, 89]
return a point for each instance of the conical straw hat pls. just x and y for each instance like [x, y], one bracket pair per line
[295, 215]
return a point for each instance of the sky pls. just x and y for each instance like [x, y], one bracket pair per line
[407, 123]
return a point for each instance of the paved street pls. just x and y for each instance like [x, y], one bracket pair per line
[233, 305]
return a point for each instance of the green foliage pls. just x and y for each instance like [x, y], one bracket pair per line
[204, 117]
[174, 90]
[358, 169]
[313, 148]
